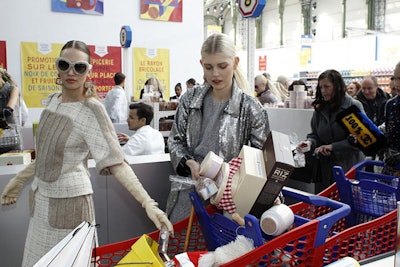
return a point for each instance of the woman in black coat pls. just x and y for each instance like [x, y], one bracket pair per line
[328, 140]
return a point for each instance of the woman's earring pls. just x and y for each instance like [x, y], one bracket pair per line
[58, 80]
[88, 85]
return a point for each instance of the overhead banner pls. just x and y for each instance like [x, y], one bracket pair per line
[3, 55]
[39, 72]
[86, 7]
[106, 61]
[170, 10]
[150, 63]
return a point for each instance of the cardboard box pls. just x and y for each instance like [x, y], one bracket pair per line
[249, 179]
[279, 166]
[15, 158]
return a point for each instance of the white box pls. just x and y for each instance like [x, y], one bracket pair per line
[251, 179]
[15, 158]
[279, 166]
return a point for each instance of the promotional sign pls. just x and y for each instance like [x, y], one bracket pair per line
[262, 63]
[355, 122]
[3, 55]
[170, 10]
[106, 61]
[39, 72]
[150, 63]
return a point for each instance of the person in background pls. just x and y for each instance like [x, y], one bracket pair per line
[392, 127]
[153, 87]
[297, 82]
[146, 140]
[282, 84]
[264, 94]
[10, 110]
[9, 94]
[267, 75]
[353, 88]
[115, 100]
[190, 83]
[392, 86]
[219, 116]
[178, 93]
[73, 128]
[328, 140]
[373, 100]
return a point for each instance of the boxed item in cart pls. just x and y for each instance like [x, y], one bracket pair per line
[15, 158]
[249, 179]
[279, 165]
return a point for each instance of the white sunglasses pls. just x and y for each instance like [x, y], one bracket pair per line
[79, 67]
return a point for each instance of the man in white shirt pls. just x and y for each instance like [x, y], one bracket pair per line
[115, 100]
[146, 140]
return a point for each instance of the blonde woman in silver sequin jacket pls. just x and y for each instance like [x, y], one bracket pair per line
[239, 118]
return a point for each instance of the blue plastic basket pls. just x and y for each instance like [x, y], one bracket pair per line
[370, 195]
[219, 230]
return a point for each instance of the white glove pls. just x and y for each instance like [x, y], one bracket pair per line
[125, 175]
[16, 184]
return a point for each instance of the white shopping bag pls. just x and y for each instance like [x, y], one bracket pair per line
[74, 250]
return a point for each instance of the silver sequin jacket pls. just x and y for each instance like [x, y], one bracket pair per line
[243, 122]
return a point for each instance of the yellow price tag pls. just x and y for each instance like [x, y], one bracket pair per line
[1, 132]
[358, 129]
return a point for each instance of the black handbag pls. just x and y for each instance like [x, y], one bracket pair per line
[311, 173]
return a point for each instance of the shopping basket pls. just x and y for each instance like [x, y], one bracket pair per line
[295, 247]
[365, 239]
[219, 230]
[370, 195]
[361, 241]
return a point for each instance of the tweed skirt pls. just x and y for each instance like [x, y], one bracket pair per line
[51, 220]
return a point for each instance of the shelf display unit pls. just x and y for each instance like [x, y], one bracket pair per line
[382, 74]
[163, 113]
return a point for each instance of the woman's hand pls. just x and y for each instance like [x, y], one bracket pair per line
[304, 146]
[194, 167]
[324, 150]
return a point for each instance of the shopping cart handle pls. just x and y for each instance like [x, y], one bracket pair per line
[326, 221]
[368, 162]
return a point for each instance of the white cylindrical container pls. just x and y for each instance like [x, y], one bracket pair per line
[299, 88]
[292, 99]
[344, 262]
[276, 220]
[211, 165]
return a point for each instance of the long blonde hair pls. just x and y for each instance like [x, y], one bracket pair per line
[222, 43]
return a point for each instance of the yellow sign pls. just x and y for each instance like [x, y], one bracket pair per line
[39, 72]
[358, 129]
[149, 63]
